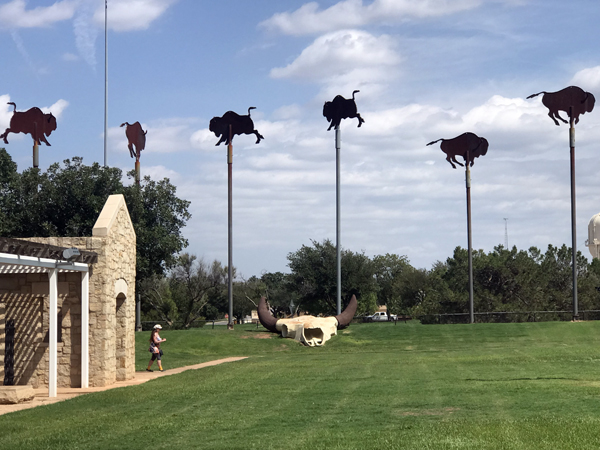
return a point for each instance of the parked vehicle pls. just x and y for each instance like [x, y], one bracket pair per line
[380, 316]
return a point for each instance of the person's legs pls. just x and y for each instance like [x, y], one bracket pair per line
[159, 361]
[152, 362]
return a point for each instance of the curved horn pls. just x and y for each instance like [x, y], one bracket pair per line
[347, 315]
[264, 315]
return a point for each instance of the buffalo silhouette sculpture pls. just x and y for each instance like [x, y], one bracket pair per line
[33, 122]
[239, 125]
[136, 137]
[573, 100]
[341, 108]
[469, 143]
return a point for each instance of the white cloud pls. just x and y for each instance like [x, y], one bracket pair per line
[505, 113]
[5, 112]
[86, 32]
[69, 57]
[22, 50]
[129, 15]
[588, 79]
[162, 136]
[347, 59]
[15, 14]
[310, 19]
[57, 108]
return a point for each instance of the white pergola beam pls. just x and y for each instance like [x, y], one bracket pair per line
[10, 263]
[52, 319]
[7, 259]
[85, 329]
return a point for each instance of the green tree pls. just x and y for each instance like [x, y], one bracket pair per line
[280, 293]
[155, 293]
[158, 217]
[67, 199]
[313, 277]
[192, 281]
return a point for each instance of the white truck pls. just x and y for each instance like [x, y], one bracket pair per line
[380, 316]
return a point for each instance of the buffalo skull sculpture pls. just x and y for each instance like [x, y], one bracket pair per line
[573, 100]
[308, 330]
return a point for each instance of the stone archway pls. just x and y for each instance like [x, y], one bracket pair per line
[121, 330]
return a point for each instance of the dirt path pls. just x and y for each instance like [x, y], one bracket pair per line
[41, 395]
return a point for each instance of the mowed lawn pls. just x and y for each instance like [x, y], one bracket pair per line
[374, 386]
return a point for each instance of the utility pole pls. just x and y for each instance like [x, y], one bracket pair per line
[506, 233]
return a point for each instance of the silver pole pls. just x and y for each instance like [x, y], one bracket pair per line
[573, 215]
[36, 154]
[470, 245]
[105, 79]
[230, 229]
[138, 314]
[338, 219]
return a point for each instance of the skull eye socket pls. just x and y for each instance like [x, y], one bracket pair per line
[313, 333]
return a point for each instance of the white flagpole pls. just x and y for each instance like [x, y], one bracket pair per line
[105, 79]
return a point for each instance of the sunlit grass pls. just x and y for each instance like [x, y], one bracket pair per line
[374, 386]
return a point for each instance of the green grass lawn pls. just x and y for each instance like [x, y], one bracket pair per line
[374, 386]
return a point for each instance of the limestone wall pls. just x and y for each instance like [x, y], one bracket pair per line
[24, 298]
[112, 308]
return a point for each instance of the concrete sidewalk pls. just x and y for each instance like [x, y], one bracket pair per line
[41, 395]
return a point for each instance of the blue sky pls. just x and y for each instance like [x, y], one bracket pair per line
[425, 70]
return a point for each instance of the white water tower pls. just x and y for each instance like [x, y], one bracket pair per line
[593, 240]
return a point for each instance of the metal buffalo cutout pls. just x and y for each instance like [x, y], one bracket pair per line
[308, 330]
[33, 122]
[573, 100]
[460, 145]
[341, 108]
[135, 137]
[239, 125]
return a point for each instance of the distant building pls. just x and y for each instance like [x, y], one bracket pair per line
[593, 240]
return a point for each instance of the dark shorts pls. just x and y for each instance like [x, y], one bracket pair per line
[157, 355]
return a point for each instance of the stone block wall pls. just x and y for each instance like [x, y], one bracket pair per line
[111, 308]
[24, 298]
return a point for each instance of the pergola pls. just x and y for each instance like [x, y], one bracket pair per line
[18, 256]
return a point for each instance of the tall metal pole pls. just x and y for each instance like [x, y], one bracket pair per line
[573, 213]
[36, 154]
[137, 172]
[338, 209]
[105, 80]
[470, 249]
[138, 314]
[230, 229]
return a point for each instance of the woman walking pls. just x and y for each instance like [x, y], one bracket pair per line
[157, 353]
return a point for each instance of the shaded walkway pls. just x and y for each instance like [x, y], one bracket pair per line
[41, 395]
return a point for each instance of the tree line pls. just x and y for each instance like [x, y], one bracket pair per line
[183, 290]
[67, 198]
[504, 280]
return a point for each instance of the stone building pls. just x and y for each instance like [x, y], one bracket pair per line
[74, 318]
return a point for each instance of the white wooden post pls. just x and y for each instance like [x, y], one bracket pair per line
[85, 329]
[52, 316]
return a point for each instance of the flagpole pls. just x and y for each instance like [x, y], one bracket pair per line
[105, 79]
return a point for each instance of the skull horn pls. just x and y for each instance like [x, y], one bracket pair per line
[347, 315]
[266, 318]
